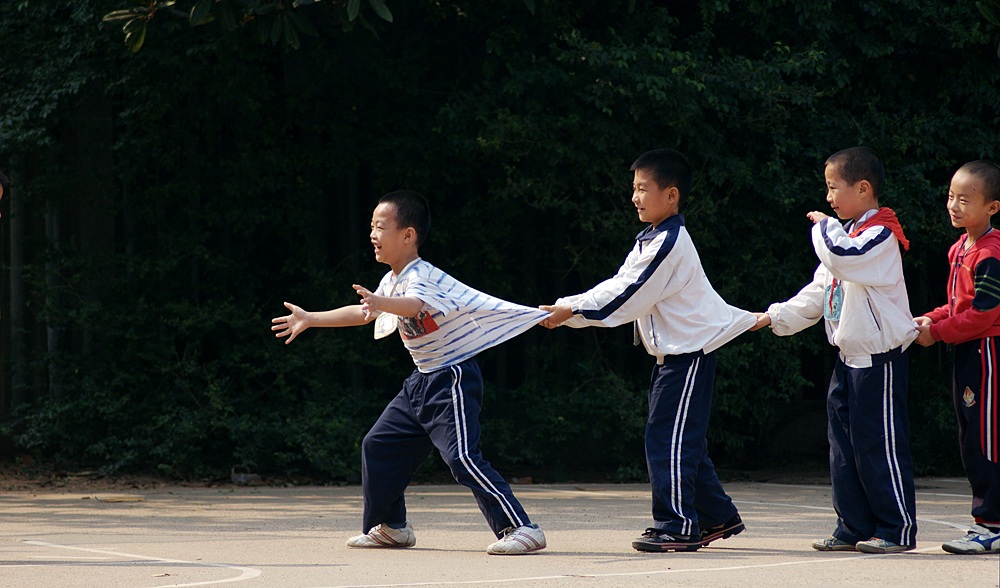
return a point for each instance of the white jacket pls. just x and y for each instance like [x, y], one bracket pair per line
[858, 288]
[662, 286]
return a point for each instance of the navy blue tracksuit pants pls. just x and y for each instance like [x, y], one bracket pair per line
[870, 465]
[976, 407]
[687, 494]
[439, 410]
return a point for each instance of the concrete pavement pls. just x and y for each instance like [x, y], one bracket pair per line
[251, 537]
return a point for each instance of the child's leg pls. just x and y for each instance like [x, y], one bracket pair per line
[450, 410]
[680, 401]
[855, 520]
[713, 505]
[880, 433]
[391, 453]
[976, 405]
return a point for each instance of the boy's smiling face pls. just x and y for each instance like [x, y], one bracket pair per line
[848, 201]
[654, 204]
[968, 207]
[394, 246]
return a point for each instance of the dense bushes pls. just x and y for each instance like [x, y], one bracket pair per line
[170, 200]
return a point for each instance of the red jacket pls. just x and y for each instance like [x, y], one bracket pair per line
[973, 308]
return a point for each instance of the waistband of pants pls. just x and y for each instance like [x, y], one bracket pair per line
[661, 359]
[875, 358]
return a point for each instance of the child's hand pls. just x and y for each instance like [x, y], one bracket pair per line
[291, 325]
[558, 315]
[924, 337]
[763, 320]
[370, 303]
[816, 216]
[922, 321]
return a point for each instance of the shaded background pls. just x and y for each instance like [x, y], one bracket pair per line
[164, 203]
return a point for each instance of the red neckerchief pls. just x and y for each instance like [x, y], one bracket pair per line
[885, 217]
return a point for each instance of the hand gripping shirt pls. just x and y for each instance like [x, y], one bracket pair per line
[456, 322]
[663, 287]
[973, 308]
[858, 289]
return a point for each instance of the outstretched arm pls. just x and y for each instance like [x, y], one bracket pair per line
[300, 319]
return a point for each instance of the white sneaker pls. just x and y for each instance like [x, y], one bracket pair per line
[385, 536]
[979, 539]
[518, 541]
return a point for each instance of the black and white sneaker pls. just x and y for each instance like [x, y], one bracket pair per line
[733, 526]
[658, 540]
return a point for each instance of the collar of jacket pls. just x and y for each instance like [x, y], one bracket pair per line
[650, 232]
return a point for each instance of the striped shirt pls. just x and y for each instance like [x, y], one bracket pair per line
[456, 322]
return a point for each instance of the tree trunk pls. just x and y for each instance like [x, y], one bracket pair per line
[16, 330]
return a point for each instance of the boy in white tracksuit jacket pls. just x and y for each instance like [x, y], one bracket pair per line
[681, 321]
[858, 289]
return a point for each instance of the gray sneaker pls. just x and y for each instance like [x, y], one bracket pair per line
[385, 536]
[876, 545]
[978, 540]
[833, 544]
[518, 541]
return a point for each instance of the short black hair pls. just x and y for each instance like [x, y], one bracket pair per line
[668, 168]
[989, 172]
[5, 184]
[859, 163]
[412, 210]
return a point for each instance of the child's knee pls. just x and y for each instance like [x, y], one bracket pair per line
[370, 444]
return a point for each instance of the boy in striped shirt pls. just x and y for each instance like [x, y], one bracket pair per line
[443, 324]
[971, 322]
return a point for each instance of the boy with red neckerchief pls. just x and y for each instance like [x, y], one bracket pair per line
[858, 289]
[971, 321]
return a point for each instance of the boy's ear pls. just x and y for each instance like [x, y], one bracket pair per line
[409, 234]
[672, 194]
[994, 207]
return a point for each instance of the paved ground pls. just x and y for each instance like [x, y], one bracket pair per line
[251, 537]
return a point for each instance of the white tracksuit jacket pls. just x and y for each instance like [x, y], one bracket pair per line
[858, 288]
[662, 286]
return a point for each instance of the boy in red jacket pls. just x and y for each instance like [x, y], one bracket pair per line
[971, 321]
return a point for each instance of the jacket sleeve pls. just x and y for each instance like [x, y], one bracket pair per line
[639, 284]
[801, 311]
[870, 259]
[938, 314]
[975, 321]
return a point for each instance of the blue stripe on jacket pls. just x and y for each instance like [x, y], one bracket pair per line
[671, 227]
[844, 251]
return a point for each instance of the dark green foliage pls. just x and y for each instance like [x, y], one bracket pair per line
[172, 199]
